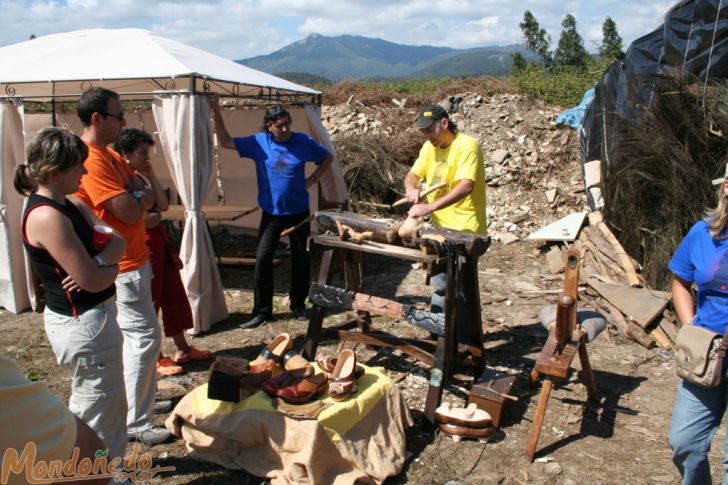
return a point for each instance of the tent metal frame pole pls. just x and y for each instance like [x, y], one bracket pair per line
[293, 98]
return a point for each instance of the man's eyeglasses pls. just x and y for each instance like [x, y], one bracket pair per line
[119, 116]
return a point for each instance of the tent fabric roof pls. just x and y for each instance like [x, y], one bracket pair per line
[134, 62]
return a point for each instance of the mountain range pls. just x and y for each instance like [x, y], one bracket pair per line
[349, 56]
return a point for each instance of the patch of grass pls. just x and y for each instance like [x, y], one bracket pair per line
[34, 376]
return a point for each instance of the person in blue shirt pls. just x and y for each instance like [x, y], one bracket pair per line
[280, 156]
[701, 259]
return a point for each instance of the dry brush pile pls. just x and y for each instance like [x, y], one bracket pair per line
[658, 182]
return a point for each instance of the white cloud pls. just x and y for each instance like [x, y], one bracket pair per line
[244, 28]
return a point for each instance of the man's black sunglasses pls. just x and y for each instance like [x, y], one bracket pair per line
[119, 116]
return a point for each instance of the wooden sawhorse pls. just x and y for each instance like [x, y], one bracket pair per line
[439, 355]
[565, 340]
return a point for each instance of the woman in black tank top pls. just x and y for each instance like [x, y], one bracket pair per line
[58, 231]
[78, 274]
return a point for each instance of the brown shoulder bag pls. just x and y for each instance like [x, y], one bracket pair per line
[699, 354]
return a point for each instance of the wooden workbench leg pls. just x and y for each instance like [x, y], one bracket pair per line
[538, 416]
[472, 298]
[434, 392]
[532, 378]
[354, 271]
[586, 374]
[313, 334]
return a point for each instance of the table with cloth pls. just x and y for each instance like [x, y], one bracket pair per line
[359, 440]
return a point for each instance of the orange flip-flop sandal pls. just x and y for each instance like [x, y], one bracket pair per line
[193, 354]
[166, 367]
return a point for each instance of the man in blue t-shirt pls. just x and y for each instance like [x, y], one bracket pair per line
[280, 156]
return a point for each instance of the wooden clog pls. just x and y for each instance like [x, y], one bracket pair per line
[275, 349]
[470, 416]
[460, 432]
[296, 364]
[304, 389]
[327, 364]
[342, 379]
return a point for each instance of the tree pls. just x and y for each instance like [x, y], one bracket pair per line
[611, 47]
[570, 51]
[518, 62]
[536, 39]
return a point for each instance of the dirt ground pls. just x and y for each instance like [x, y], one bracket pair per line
[622, 439]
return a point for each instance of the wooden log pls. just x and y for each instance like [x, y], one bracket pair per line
[626, 263]
[333, 297]
[382, 231]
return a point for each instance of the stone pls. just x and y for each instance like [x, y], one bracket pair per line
[551, 195]
[499, 155]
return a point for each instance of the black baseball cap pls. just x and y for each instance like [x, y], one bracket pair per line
[429, 114]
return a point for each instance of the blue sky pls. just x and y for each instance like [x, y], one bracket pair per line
[238, 29]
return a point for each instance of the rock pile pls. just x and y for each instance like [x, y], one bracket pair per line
[533, 172]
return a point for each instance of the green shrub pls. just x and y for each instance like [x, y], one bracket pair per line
[563, 86]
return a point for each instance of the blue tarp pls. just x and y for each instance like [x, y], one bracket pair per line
[573, 116]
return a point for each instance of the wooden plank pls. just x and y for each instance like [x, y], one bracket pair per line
[241, 261]
[211, 212]
[376, 248]
[565, 229]
[382, 340]
[641, 304]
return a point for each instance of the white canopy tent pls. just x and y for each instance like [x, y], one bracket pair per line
[140, 65]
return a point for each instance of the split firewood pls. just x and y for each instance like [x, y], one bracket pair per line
[669, 328]
[608, 260]
[661, 337]
[622, 256]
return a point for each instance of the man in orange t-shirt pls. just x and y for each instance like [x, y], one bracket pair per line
[109, 189]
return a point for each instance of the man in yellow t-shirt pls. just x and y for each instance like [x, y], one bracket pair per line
[456, 159]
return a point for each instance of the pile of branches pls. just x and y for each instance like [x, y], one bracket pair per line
[374, 165]
[658, 182]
